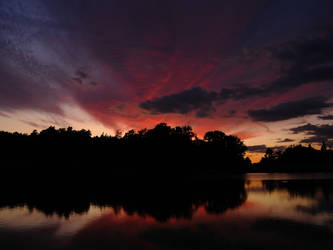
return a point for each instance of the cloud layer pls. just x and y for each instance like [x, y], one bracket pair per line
[210, 64]
[262, 148]
[288, 110]
[184, 102]
[315, 133]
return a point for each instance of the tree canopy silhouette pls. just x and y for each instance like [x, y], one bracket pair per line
[161, 150]
[296, 158]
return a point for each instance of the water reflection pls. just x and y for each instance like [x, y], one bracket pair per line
[256, 213]
[317, 193]
[159, 200]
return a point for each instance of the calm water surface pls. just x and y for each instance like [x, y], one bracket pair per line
[275, 211]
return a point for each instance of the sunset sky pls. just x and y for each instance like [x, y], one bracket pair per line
[259, 69]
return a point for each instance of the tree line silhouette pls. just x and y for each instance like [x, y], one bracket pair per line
[160, 151]
[296, 158]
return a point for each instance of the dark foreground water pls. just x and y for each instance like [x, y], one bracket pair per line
[271, 211]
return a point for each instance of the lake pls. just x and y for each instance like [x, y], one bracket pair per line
[261, 211]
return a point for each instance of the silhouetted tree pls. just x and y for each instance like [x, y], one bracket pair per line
[296, 158]
[323, 147]
[269, 154]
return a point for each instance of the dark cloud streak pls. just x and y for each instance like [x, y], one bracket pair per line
[289, 110]
[184, 102]
[262, 148]
[285, 140]
[326, 117]
[315, 133]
